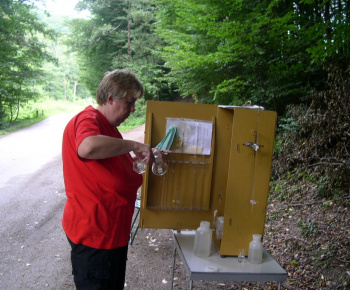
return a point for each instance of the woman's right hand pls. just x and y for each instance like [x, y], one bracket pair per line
[143, 151]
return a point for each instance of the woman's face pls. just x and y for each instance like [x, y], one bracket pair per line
[120, 109]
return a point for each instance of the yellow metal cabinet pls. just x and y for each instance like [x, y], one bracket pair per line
[232, 180]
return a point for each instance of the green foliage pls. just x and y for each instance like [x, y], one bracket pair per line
[289, 56]
[288, 188]
[288, 124]
[34, 112]
[316, 139]
[268, 52]
[61, 79]
[327, 188]
[119, 35]
[226, 91]
[34, 62]
[326, 256]
[21, 56]
[308, 228]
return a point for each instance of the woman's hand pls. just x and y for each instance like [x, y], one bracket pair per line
[143, 151]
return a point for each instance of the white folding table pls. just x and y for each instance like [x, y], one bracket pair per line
[217, 268]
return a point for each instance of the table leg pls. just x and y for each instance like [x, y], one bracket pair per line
[172, 275]
[191, 284]
[240, 285]
[279, 285]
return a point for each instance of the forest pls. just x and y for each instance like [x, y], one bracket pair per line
[289, 56]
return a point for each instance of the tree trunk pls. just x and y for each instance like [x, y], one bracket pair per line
[75, 91]
[17, 109]
[65, 91]
[129, 39]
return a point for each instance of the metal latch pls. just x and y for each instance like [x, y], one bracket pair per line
[254, 146]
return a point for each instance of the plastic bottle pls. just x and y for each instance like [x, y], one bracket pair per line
[255, 250]
[159, 167]
[219, 227]
[202, 240]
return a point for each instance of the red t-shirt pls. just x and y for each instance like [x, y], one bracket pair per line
[101, 193]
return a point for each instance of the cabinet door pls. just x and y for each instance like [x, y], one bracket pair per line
[248, 178]
[180, 199]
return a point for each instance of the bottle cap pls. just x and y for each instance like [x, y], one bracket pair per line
[205, 224]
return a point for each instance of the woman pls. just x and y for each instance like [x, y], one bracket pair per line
[100, 183]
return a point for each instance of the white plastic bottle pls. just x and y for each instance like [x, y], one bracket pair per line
[255, 250]
[202, 240]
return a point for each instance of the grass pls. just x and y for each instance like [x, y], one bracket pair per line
[36, 112]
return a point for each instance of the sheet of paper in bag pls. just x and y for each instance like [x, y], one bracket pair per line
[192, 136]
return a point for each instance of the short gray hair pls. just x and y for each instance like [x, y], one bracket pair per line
[119, 83]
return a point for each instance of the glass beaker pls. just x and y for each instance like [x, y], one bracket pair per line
[159, 167]
[140, 165]
[219, 227]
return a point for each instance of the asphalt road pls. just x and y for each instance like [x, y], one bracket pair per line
[34, 252]
[33, 249]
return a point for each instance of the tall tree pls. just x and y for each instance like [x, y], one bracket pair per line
[100, 39]
[21, 55]
[118, 35]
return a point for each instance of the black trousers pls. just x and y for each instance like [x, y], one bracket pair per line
[96, 269]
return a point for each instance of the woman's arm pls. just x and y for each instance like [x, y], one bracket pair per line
[100, 147]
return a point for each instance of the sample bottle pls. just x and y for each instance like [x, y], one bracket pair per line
[140, 165]
[219, 227]
[159, 167]
[255, 250]
[202, 240]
